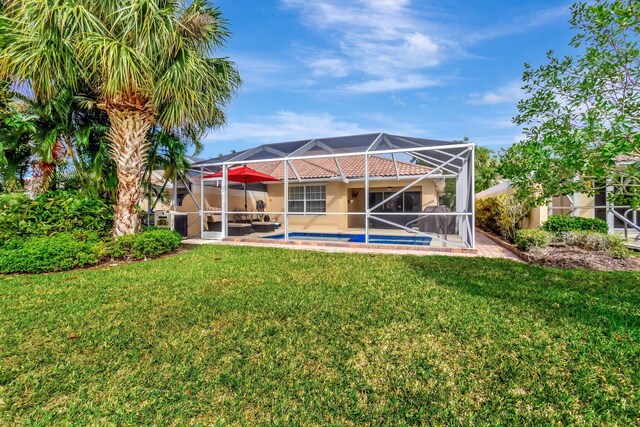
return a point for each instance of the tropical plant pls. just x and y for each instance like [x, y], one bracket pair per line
[582, 112]
[54, 142]
[487, 167]
[147, 61]
[52, 213]
[501, 215]
[15, 151]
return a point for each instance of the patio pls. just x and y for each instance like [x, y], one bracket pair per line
[355, 188]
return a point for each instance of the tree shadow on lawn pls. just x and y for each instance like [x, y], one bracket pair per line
[609, 300]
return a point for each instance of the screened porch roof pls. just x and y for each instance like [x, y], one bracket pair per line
[433, 152]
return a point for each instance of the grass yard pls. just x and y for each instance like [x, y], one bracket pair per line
[254, 336]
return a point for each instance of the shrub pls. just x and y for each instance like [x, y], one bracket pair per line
[52, 213]
[500, 215]
[594, 241]
[148, 244]
[65, 251]
[527, 240]
[562, 224]
[55, 253]
[591, 241]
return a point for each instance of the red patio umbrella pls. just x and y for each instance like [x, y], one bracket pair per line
[244, 175]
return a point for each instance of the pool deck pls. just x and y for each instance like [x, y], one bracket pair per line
[485, 247]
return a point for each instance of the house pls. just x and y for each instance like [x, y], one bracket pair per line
[352, 188]
[621, 219]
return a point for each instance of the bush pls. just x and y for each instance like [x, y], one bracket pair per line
[527, 240]
[55, 253]
[52, 213]
[65, 251]
[500, 215]
[148, 244]
[562, 224]
[591, 241]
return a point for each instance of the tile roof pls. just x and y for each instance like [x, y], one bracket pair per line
[352, 167]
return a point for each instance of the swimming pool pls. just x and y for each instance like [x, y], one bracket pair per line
[356, 238]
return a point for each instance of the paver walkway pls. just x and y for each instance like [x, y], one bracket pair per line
[490, 249]
[485, 246]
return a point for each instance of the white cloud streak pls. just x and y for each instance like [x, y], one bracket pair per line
[291, 126]
[510, 93]
[285, 126]
[380, 41]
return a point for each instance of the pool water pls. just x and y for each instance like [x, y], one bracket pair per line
[356, 238]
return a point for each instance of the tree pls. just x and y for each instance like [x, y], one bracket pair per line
[58, 142]
[487, 168]
[148, 62]
[582, 112]
[15, 151]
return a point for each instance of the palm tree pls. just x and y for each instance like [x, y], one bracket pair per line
[148, 61]
[487, 168]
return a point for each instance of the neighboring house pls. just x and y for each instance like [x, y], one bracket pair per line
[621, 219]
[327, 185]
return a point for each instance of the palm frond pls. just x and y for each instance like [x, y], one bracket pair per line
[115, 68]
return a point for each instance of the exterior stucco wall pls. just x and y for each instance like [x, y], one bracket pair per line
[338, 196]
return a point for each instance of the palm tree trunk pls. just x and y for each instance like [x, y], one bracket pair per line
[129, 144]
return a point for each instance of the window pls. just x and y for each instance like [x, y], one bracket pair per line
[409, 201]
[308, 199]
[412, 201]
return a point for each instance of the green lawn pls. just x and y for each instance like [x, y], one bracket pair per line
[251, 336]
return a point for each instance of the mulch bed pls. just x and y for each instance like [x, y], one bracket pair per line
[570, 257]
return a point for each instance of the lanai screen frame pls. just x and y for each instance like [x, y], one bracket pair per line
[436, 154]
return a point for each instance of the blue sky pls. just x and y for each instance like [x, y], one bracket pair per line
[440, 69]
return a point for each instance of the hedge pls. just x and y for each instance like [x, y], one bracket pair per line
[55, 253]
[149, 244]
[65, 251]
[562, 224]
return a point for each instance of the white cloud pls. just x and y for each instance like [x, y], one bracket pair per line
[333, 67]
[387, 41]
[392, 84]
[291, 126]
[523, 21]
[285, 126]
[397, 101]
[381, 41]
[387, 4]
[508, 94]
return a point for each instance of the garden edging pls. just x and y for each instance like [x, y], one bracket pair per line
[508, 246]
